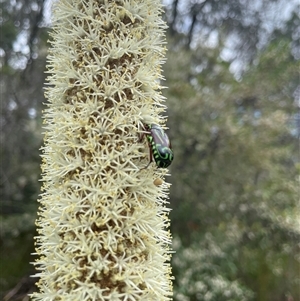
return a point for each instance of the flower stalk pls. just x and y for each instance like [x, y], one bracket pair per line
[103, 221]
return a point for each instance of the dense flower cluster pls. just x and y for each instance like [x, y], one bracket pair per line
[102, 220]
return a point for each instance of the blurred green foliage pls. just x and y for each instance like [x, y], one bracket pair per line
[235, 177]
[16, 247]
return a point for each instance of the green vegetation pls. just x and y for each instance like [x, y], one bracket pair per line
[235, 189]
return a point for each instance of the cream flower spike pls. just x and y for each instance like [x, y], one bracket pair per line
[103, 222]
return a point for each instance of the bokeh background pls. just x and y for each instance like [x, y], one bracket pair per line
[232, 74]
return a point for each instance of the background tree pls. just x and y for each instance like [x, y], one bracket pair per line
[235, 191]
[22, 61]
[23, 48]
[238, 27]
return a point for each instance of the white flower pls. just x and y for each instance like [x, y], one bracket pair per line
[102, 219]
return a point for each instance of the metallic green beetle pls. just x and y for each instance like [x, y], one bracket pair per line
[159, 146]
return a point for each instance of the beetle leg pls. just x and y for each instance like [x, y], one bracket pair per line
[141, 136]
[151, 159]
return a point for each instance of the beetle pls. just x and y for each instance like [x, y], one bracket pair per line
[159, 145]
